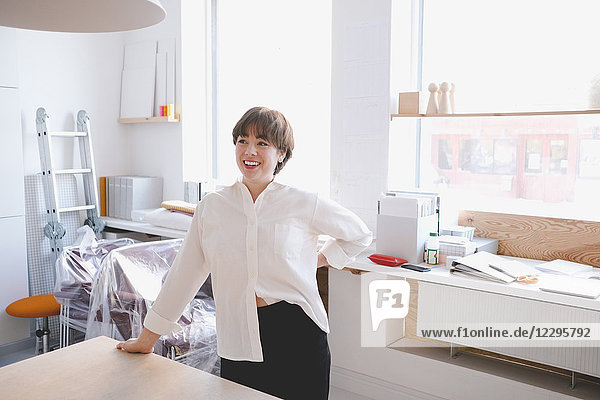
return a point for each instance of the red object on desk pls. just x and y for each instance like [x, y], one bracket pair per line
[390, 261]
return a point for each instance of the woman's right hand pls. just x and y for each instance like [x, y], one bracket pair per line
[143, 344]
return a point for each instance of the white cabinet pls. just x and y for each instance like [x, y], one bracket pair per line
[13, 277]
[445, 305]
[11, 154]
[13, 264]
[8, 58]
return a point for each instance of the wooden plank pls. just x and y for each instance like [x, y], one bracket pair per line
[538, 238]
[95, 369]
[499, 114]
[149, 120]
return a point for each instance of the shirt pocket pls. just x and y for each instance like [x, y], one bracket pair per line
[288, 241]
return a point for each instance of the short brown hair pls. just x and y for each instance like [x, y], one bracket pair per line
[269, 125]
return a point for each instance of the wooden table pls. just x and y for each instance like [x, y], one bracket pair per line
[95, 369]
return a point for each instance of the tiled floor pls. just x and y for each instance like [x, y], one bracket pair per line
[16, 356]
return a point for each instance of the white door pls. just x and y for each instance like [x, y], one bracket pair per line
[8, 57]
[11, 155]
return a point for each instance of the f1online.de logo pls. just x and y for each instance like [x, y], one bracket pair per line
[388, 300]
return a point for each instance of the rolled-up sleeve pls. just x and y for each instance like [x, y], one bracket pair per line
[184, 279]
[349, 234]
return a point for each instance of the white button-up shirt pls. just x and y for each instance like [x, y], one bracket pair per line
[267, 248]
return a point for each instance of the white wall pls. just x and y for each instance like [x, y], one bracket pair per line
[65, 73]
[360, 85]
[156, 149]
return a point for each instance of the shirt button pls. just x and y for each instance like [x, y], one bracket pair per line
[251, 248]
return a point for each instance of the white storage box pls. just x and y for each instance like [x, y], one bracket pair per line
[404, 222]
[128, 193]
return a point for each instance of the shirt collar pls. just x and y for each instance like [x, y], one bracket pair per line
[271, 186]
[246, 192]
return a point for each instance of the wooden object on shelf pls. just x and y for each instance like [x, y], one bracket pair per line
[432, 104]
[149, 119]
[500, 114]
[444, 105]
[408, 103]
[538, 238]
[452, 90]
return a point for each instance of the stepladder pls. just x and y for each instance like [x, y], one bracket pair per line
[85, 174]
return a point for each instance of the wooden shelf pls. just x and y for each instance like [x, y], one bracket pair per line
[499, 114]
[149, 120]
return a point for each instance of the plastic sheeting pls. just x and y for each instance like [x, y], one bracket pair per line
[76, 268]
[126, 285]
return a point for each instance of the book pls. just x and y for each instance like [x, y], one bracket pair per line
[562, 267]
[588, 288]
[484, 265]
[594, 273]
[111, 196]
[103, 198]
[513, 268]
[118, 196]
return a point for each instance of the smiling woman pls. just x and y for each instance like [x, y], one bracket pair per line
[263, 144]
[258, 240]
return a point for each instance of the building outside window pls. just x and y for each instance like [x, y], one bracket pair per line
[539, 165]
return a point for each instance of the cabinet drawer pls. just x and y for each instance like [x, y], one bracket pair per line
[443, 304]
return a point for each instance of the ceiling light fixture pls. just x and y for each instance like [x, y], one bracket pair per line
[82, 16]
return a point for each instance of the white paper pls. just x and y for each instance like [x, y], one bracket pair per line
[138, 80]
[137, 93]
[589, 288]
[167, 46]
[562, 267]
[398, 207]
[160, 90]
[480, 263]
[513, 268]
[139, 55]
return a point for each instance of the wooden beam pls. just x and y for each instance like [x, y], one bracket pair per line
[538, 238]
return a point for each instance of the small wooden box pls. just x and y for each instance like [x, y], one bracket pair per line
[408, 103]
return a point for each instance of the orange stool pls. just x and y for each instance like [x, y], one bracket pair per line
[41, 306]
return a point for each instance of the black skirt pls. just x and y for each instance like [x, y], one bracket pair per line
[295, 352]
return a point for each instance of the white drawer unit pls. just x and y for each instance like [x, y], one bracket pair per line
[444, 305]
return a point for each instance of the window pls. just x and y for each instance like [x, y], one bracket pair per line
[276, 54]
[506, 57]
[533, 155]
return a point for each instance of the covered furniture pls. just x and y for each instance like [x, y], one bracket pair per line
[76, 269]
[127, 283]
